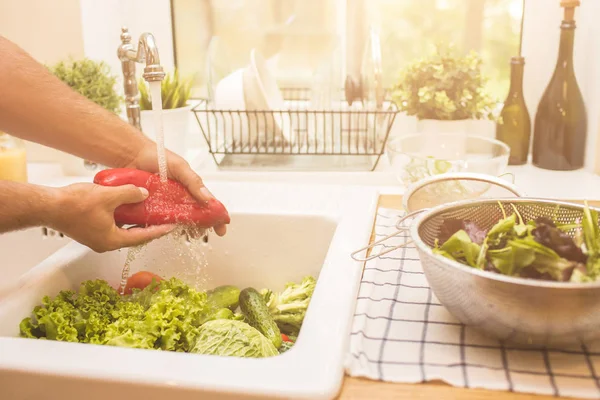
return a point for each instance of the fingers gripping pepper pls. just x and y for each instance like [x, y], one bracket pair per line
[167, 203]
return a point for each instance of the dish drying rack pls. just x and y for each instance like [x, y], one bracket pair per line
[303, 137]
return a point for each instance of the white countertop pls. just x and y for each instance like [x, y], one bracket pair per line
[532, 181]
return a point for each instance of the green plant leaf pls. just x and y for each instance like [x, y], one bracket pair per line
[91, 79]
[444, 86]
[175, 92]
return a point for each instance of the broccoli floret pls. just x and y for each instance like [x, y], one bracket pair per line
[288, 308]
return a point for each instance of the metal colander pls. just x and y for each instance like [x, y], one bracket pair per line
[526, 311]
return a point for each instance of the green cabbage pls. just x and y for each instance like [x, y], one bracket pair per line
[226, 337]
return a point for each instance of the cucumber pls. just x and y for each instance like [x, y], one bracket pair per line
[226, 296]
[257, 315]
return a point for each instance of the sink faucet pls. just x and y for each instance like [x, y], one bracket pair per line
[147, 53]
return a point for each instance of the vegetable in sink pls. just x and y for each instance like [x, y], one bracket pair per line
[257, 314]
[288, 308]
[537, 249]
[226, 296]
[225, 337]
[163, 314]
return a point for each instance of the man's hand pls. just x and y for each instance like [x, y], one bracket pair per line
[85, 213]
[179, 170]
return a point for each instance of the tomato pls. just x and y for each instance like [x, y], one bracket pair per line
[140, 280]
[285, 337]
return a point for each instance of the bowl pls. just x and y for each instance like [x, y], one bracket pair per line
[417, 156]
[236, 127]
[524, 311]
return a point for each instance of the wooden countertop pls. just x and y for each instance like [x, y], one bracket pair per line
[364, 389]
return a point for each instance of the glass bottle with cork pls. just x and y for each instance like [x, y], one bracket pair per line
[560, 129]
[13, 159]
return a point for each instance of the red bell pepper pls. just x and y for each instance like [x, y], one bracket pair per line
[285, 337]
[167, 203]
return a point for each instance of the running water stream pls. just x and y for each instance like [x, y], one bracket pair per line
[192, 245]
[156, 96]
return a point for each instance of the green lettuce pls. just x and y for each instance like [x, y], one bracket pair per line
[73, 317]
[162, 316]
[226, 337]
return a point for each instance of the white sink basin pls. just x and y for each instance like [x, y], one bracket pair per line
[278, 233]
[23, 250]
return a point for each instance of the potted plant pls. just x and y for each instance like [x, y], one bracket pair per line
[175, 93]
[92, 79]
[444, 91]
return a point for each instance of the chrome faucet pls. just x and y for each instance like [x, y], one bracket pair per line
[147, 52]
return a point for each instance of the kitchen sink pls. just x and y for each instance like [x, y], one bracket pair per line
[278, 233]
[23, 250]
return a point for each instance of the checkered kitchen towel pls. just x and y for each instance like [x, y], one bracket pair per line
[401, 333]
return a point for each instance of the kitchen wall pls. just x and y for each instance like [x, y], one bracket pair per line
[540, 48]
[54, 30]
[50, 31]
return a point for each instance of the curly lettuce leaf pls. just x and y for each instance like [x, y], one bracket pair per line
[173, 311]
[128, 328]
[161, 316]
[73, 317]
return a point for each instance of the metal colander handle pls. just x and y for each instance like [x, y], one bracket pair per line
[399, 230]
[459, 176]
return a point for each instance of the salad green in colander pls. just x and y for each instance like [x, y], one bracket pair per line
[539, 248]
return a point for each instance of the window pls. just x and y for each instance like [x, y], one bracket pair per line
[213, 38]
[300, 37]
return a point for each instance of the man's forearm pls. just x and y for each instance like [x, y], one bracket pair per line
[25, 205]
[37, 106]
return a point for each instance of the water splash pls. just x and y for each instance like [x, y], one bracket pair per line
[132, 253]
[156, 96]
[187, 256]
[197, 246]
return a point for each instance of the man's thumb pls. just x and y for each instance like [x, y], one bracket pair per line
[128, 194]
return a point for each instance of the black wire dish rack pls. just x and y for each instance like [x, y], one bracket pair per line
[342, 137]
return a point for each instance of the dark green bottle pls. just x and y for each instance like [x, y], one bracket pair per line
[560, 130]
[514, 129]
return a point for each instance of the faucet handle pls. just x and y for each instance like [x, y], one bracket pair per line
[125, 35]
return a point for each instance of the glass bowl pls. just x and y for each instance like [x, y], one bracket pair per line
[417, 156]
